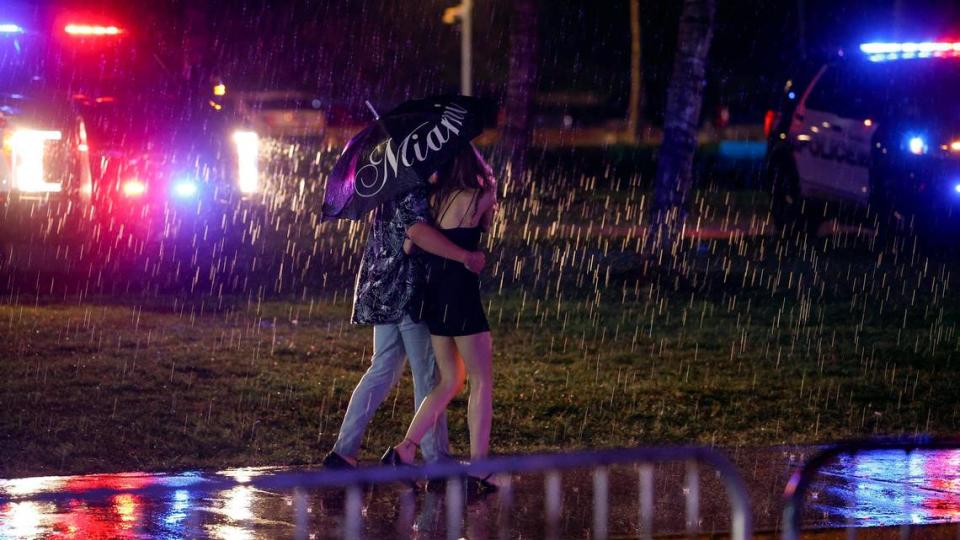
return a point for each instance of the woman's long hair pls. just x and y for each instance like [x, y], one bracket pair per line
[467, 170]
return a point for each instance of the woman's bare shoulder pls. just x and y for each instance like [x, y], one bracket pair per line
[464, 197]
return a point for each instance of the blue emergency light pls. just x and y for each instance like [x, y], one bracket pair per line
[10, 28]
[185, 188]
[883, 51]
[917, 145]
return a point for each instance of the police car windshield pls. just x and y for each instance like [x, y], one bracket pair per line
[21, 63]
[129, 117]
[902, 89]
[921, 88]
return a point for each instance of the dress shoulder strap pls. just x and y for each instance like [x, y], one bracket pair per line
[447, 204]
[473, 201]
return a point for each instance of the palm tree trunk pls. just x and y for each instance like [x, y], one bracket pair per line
[673, 180]
[521, 85]
[636, 74]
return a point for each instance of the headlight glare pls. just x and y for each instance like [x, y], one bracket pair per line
[27, 152]
[248, 149]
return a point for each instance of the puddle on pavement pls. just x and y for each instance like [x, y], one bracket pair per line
[880, 488]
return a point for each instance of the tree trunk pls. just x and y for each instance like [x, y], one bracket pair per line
[673, 180]
[521, 85]
[634, 112]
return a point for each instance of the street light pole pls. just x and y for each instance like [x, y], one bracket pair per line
[466, 48]
[463, 12]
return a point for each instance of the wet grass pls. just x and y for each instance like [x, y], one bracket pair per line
[750, 342]
[201, 352]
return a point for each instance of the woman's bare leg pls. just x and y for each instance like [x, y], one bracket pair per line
[477, 353]
[450, 384]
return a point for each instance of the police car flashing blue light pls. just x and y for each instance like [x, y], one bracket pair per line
[882, 51]
[917, 145]
[185, 188]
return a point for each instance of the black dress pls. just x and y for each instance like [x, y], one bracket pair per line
[452, 293]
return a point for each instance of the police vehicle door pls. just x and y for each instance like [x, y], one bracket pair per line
[831, 133]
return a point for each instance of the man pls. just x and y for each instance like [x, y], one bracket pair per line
[387, 297]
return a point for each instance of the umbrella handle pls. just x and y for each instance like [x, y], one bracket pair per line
[374, 111]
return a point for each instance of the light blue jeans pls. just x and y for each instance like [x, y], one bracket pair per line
[391, 343]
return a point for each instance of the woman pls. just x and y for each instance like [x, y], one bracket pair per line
[463, 202]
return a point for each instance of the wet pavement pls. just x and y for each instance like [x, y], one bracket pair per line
[890, 488]
[881, 488]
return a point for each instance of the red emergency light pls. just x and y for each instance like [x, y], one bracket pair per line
[769, 120]
[134, 188]
[91, 30]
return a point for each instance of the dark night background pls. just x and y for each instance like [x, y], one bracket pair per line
[152, 330]
[347, 51]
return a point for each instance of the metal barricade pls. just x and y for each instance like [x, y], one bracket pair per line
[550, 465]
[802, 479]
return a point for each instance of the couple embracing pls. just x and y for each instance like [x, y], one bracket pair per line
[418, 286]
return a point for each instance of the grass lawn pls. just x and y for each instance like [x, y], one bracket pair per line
[730, 342]
[598, 342]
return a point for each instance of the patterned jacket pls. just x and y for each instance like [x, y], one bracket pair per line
[389, 282]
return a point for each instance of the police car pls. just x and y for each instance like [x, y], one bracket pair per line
[877, 130]
[46, 169]
[172, 154]
[91, 114]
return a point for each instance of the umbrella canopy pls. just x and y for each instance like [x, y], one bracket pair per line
[398, 152]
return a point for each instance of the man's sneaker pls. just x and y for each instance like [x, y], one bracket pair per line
[334, 461]
[437, 485]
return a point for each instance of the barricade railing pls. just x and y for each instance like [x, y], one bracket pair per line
[551, 465]
[802, 479]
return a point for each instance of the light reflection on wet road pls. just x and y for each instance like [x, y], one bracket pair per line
[877, 489]
[891, 488]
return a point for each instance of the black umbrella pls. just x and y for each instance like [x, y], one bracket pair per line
[398, 152]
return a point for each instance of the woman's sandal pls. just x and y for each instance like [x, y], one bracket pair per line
[392, 458]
